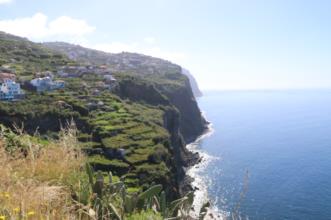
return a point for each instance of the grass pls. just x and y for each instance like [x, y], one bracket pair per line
[26, 57]
[37, 183]
[104, 161]
[48, 181]
[39, 166]
[138, 128]
[145, 215]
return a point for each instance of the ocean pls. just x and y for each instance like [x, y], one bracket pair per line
[268, 155]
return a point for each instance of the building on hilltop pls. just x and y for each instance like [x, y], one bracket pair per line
[110, 81]
[109, 78]
[10, 90]
[5, 75]
[73, 71]
[47, 84]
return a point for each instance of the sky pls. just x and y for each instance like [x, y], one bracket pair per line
[226, 44]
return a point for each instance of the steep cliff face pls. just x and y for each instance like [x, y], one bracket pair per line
[174, 84]
[194, 84]
[182, 118]
[192, 124]
[182, 157]
[140, 91]
[158, 83]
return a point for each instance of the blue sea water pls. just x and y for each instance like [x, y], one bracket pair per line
[275, 144]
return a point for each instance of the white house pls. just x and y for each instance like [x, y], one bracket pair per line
[6, 75]
[110, 81]
[46, 84]
[10, 90]
[40, 81]
[109, 78]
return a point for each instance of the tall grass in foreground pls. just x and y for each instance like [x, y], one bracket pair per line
[52, 180]
[35, 178]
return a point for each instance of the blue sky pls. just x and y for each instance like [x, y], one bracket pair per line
[233, 44]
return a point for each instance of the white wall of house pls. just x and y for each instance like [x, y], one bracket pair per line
[46, 84]
[9, 89]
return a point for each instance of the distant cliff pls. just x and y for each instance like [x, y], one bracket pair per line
[171, 80]
[125, 62]
[194, 85]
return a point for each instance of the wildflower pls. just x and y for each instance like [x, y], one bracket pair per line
[31, 213]
[16, 210]
[2, 217]
[91, 212]
[6, 195]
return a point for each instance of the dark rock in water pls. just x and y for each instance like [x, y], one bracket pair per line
[200, 159]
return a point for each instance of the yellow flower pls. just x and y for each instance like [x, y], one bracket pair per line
[16, 210]
[6, 195]
[31, 213]
[2, 217]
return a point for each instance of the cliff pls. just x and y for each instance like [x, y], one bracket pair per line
[138, 130]
[174, 82]
[126, 62]
[182, 118]
[194, 84]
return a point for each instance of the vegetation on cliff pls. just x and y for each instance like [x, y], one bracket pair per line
[158, 75]
[27, 58]
[52, 180]
[137, 130]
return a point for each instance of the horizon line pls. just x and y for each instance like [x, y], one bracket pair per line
[264, 89]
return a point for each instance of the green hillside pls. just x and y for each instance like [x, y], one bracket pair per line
[133, 130]
[27, 58]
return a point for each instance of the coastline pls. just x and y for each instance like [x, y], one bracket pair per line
[196, 182]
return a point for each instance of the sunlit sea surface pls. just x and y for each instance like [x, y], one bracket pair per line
[268, 155]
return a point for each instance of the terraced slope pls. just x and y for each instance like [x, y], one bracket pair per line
[165, 76]
[135, 130]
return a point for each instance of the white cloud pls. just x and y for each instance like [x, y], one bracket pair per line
[68, 26]
[5, 1]
[38, 27]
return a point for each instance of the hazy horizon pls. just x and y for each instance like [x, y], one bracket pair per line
[227, 45]
[266, 89]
